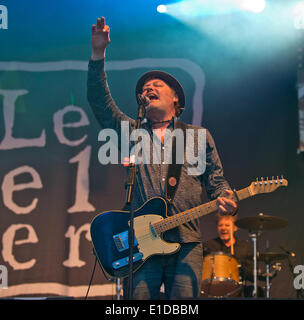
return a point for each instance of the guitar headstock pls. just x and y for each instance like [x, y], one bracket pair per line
[265, 185]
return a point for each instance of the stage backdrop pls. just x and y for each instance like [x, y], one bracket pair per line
[243, 88]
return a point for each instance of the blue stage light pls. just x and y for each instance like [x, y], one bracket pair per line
[161, 8]
[298, 16]
[255, 6]
[196, 8]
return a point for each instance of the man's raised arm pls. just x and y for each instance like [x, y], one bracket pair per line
[98, 92]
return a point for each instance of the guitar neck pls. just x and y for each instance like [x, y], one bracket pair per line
[196, 212]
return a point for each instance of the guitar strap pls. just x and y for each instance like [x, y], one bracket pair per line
[174, 170]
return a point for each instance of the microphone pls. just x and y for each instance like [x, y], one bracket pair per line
[292, 254]
[143, 100]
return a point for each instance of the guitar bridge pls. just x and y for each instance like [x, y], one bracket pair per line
[125, 261]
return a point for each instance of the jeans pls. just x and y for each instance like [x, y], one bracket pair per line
[180, 272]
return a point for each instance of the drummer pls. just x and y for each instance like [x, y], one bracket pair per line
[228, 243]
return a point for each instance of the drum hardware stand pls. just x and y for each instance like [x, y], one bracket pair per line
[267, 274]
[256, 225]
[278, 267]
[267, 281]
[211, 277]
[253, 236]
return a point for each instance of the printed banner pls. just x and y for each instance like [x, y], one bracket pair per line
[52, 183]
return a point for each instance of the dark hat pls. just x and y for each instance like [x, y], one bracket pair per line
[166, 77]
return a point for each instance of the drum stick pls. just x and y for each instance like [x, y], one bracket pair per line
[231, 240]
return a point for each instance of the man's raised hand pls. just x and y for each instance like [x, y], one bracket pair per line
[99, 39]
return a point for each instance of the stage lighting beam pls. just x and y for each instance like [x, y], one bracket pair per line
[161, 8]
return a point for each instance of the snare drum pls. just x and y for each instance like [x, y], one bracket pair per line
[220, 275]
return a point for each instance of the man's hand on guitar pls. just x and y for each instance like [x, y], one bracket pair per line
[226, 205]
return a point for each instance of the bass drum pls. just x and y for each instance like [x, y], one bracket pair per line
[220, 276]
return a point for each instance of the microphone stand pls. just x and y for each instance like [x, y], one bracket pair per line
[130, 186]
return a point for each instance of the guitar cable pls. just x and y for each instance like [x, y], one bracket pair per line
[92, 275]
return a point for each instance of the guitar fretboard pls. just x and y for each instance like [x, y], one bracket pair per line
[196, 212]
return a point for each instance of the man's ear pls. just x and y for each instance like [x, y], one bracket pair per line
[175, 98]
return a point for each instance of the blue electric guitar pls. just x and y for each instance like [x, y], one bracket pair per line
[109, 230]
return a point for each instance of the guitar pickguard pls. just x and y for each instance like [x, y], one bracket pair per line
[148, 242]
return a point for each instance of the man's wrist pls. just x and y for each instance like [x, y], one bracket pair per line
[97, 56]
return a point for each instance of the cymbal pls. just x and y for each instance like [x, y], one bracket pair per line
[272, 256]
[261, 222]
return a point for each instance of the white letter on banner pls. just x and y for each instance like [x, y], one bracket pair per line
[8, 242]
[9, 142]
[3, 17]
[82, 182]
[59, 125]
[74, 236]
[9, 187]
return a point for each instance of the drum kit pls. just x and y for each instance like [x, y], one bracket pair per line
[220, 271]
